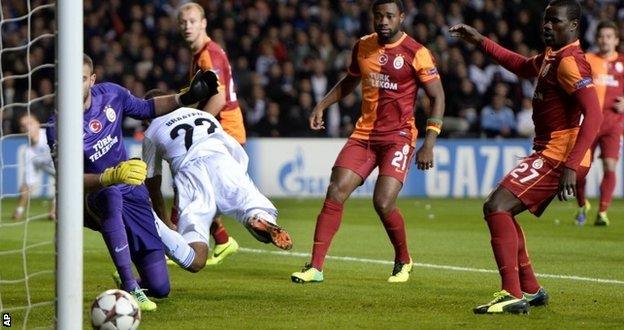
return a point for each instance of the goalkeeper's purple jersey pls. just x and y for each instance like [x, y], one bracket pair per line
[102, 133]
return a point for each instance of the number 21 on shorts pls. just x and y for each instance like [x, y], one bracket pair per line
[523, 167]
[400, 159]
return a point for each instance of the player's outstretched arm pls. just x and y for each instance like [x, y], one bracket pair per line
[130, 172]
[343, 87]
[424, 155]
[203, 85]
[216, 103]
[514, 62]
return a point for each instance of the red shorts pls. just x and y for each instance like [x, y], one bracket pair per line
[361, 156]
[610, 140]
[535, 181]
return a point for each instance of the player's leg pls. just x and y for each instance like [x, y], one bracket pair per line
[197, 208]
[153, 273]
[353, 165]
[607, 187]
[342, 183]
[531, 289]
[140, 222]
[107, 205]
[386, 191]
[609, 152]
[583, 204]
[52, 212]
[190, 256]
[394, 162]
[498, 211]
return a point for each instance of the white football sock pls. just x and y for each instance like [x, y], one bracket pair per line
[262, 214]
[176, 247]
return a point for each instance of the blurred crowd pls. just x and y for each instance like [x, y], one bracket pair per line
[285, 55]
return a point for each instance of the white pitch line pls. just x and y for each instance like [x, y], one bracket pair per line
[417, 264]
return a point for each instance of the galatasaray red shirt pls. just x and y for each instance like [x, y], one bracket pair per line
[391, 75]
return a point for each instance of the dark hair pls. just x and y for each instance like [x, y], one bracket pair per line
[152, 93]
[608, 25]
[86, 60]
[398, 3]
[573, 8]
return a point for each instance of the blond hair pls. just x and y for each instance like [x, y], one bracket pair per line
[192, 5]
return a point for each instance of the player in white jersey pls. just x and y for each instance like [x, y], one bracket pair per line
[210, 171]
[37, 159]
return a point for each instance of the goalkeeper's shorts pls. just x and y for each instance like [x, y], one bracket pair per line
[136, 213]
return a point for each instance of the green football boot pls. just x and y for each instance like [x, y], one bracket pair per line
[602, 219]
[401, 272]
[145, 304]
[221, 251]
[503, 303]
[308, 274]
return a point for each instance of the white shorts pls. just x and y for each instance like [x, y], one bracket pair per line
[196, 203]
[216, 183]
[235, 194]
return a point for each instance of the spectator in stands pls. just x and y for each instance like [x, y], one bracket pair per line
[271, 125]
[497, 120]
[140, 39]
[525, 126]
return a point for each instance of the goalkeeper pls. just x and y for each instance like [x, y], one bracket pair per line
[117, 201]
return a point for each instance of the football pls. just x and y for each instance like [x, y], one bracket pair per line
[115, 309]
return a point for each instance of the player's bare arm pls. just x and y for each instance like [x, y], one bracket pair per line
[344, 87]
[204, 85]
[153, 185]
[216, 103]
[22, 203]
[424, 155]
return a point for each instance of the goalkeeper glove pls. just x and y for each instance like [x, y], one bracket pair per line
[203, 85]
[131, 172]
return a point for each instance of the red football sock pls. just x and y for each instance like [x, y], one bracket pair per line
[395, 227]
[580, 192]
[505, 247]
[327, 225]
[218, 232]
[606, 190]
[528, 281]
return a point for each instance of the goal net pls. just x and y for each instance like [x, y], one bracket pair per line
[30, 247]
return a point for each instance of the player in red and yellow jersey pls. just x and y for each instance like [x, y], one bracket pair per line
[208, 55]
[564, 92]
[608, 73]
[391, 67]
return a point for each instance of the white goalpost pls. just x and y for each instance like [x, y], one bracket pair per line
[69, 264]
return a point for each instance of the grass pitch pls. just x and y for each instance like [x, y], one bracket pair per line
[252, 288]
